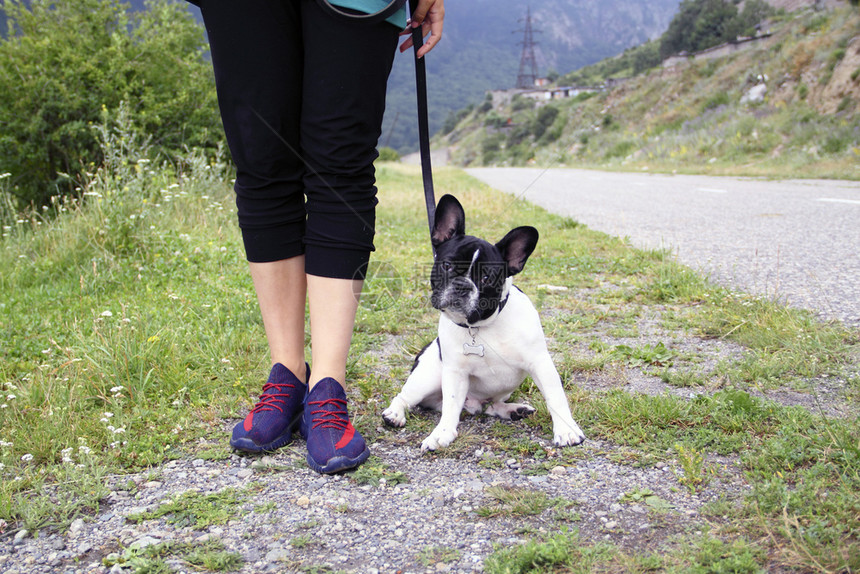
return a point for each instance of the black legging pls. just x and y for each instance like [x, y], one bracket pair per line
[301, 96]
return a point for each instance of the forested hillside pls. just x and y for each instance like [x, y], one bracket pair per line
[785, 104]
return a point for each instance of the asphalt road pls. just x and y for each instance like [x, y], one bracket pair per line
[797, 241]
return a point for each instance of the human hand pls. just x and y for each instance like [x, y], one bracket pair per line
[429, 15]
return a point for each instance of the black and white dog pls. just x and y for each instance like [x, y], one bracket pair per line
[490, 336]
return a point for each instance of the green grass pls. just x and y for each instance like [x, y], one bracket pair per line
[196, 510]
[208, 556]
[134, 334]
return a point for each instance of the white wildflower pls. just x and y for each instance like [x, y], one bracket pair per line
[27, 457]
[117, 389]
[107, 314]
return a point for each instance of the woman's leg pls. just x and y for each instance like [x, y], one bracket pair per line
[257, 55]
[346, 72]
[281, 287]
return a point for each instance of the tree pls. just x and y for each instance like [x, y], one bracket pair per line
[64, 63]
[699, 24]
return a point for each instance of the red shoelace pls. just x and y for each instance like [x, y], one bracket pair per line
[333, 418]
[269, 400]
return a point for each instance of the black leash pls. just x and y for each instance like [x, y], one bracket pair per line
[420, 90]
[423, 124]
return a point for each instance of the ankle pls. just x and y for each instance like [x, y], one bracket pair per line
[296, 367]
[339, 376]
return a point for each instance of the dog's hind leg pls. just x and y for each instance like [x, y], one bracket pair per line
[509, 411]
[423, 386]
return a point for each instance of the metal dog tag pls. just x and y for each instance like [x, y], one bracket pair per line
[473, 349]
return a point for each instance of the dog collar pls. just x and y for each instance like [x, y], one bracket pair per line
[470, 327]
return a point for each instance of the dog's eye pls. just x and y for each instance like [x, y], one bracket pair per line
[447, 266]
[486, 279]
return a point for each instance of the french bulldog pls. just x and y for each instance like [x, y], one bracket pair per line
[489, 337]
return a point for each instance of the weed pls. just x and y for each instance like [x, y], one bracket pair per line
[692, 464]
[374, 472]
[431, 555]
[509, 501]
[302, 541]
[209, 555]
[265, 508]
[657, 355]
[197, 510]
[647, 497]
[563, 552]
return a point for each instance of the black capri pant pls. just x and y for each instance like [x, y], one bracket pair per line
[302, 96]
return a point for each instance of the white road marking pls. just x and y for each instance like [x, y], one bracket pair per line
[711, 190]
[838, 200]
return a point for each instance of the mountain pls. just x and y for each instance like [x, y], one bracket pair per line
[785, 103]
[482, 44]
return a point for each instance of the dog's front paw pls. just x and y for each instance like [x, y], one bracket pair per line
[570, 435]
[395, 414]
[438, 439]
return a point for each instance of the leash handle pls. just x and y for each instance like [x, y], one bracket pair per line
[423, 123]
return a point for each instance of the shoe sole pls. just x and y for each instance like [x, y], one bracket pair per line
[247, 445]
[338, 463]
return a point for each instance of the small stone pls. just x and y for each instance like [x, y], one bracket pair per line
[20, 536]
[558, 470]
[303, 501]
[615, 507]
[252, 556]
[599, 513]
[143, 542]
[611, 524]
[645, 526]
[197, 462]
[245, 473]
[277, 555]
[152, 484]
[76, 526]
[58, 544]
[84, 548]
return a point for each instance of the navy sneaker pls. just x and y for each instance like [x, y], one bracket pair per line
[271, 422]
[333, 443]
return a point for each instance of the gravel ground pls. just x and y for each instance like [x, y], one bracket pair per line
[294, 520]
[367, 528]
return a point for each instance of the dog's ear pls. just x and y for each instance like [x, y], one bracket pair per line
[450, 220]
[516, 247]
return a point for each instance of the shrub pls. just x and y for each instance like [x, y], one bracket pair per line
[545, 118]
[65, 62]
[388, 154]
